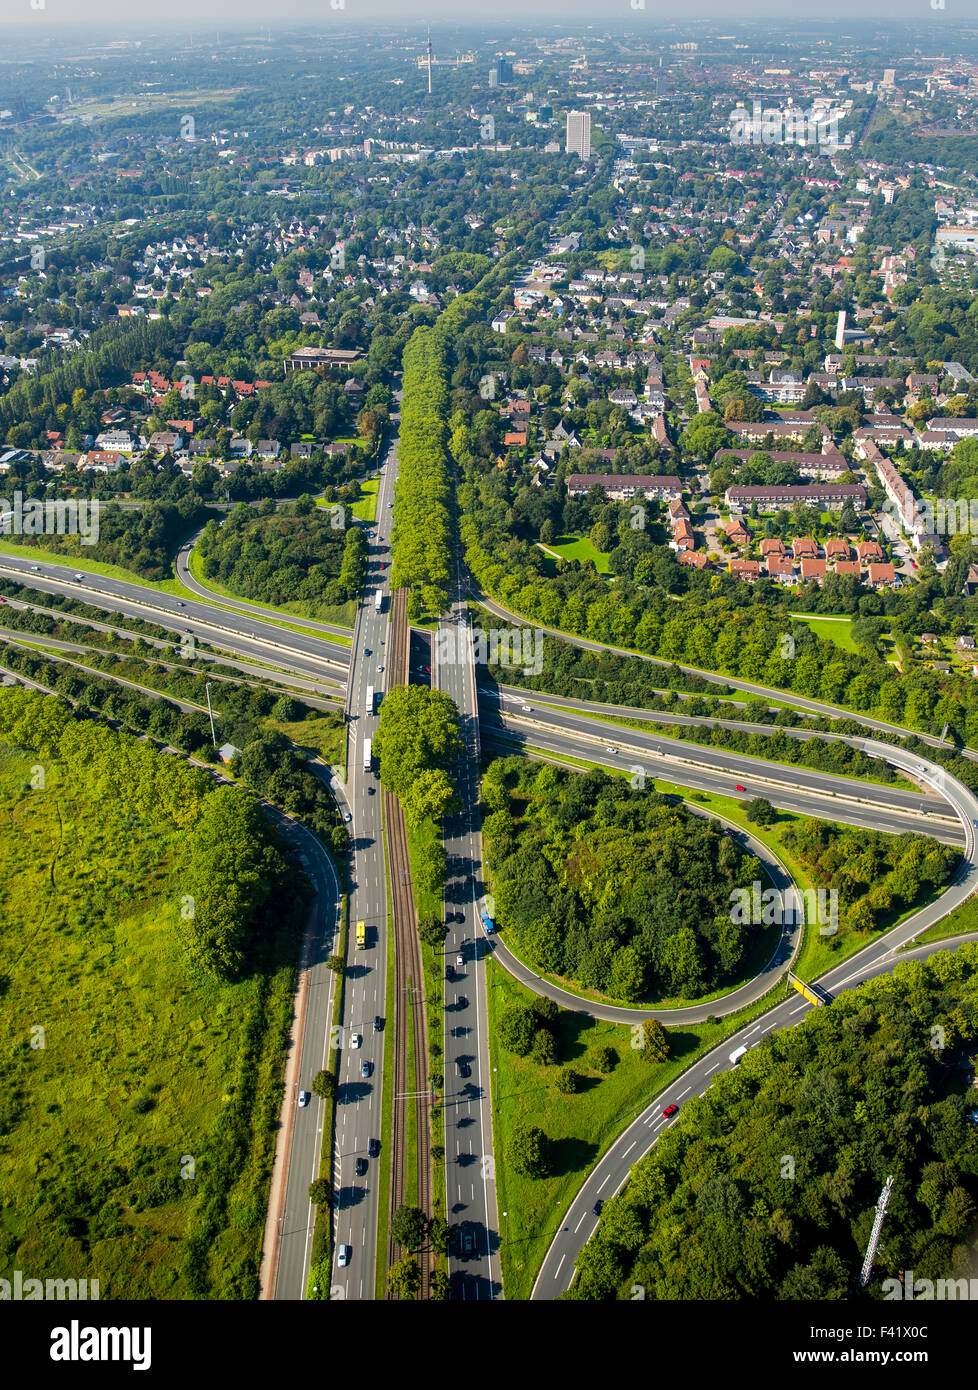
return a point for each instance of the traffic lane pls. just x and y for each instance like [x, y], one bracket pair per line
[512, 695]
[170, 612]
[303, 1158]
[738, 765]
[820, 807]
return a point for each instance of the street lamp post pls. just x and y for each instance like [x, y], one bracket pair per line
[210, 712]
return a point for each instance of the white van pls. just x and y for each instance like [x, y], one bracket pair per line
[736, 1056]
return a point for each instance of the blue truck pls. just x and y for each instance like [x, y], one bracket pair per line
[487, 925]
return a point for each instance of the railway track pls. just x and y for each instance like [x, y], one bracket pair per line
[410, 1062]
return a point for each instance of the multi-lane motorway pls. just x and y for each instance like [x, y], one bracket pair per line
[469, 1162]
[359, 1112]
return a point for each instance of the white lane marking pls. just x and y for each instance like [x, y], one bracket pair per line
[607, 1179]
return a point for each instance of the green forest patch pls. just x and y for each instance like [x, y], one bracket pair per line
[139, 1092]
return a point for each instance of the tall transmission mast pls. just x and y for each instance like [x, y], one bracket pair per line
[429, 60]
[874, 1235]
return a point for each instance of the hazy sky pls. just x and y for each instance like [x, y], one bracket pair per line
[218, 13]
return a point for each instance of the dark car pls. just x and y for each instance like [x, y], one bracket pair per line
[468, 1244]
[378, 1024]
[596, 1209]
[461, 1002]
[449, 972]
[373, 1147]
[361, 1167]
[463, 1068]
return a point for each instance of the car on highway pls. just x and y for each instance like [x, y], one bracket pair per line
[739, 788]
[463, 1067]
[449, 972]
[468, 1244]
[347, 816]
[527, 709]
[343, 1254]
[303, 1099]
[360, 1167]
[596, 1209]
[611, 751]
[669, 1111]
[367, 651]
[366, 1068]
[373, 1147]
[379, 669]
[35, 568]
[378, 1023]
[370, 791]
[461, 1002]
[355, 1040]
[80, 577]
[460, 959]
[180, 603]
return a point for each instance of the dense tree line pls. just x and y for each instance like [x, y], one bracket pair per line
[142, 539]
[616, 888]
[876, 876]
[421, 537]
[766, 1186]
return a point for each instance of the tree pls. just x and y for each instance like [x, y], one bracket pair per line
[432, 931]
[529, 1151]
[603, 1059]
[324, 1084]
[517, 1028]
[441, 1235]
[439, 1286]
[404, 1279]
[544, 1049]
[655, 1041]
[432, 795]
[568, 1081]
[337, 964]
[409, 1226]
[321, 1193]
[759, 811]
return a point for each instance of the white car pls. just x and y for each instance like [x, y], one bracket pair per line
[347, 816]
[355, 1040]
[459, 960]
[527, 709]
[611, 751]
[343, 1255]
[303, 1099]
[380, 670]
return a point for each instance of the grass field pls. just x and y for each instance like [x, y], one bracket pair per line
[365, 509]
[580, 1126]
[577, 548]
[123, 1080]
[837, 630]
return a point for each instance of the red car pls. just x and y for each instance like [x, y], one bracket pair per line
[669, 1111]
[739, 788]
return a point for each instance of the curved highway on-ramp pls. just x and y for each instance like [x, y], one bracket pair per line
[612, 1170]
